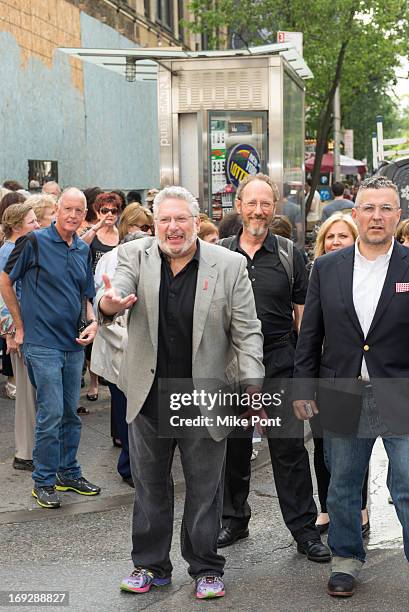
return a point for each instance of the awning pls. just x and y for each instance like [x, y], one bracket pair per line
[348, 164]
[142, 63]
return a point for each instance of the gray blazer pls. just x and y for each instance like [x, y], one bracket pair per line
[227, 343]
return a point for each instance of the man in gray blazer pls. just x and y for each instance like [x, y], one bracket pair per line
[192, 318]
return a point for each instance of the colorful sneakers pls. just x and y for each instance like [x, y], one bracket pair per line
[79, 485]
[141, 580]
[208, 587]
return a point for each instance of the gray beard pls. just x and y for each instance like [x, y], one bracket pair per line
[256, 232]
[375, 241]
[163, 247]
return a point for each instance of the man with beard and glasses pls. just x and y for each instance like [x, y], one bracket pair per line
[279, 298]
[353, 353]
[194, 319]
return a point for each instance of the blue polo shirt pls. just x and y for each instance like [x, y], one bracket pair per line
[52, 292]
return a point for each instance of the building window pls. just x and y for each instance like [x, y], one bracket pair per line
[42, 170]
[165, 13]
[147, 8]
[180, 17]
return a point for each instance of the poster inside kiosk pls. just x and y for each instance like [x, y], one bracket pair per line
[237, 148]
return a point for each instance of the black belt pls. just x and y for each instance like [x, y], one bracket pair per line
[277, 342]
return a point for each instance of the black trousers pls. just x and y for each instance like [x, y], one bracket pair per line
[118, 417]
[7, 369]
[289, 460]
[152, 526]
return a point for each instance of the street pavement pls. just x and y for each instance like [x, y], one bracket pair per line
[84, 547]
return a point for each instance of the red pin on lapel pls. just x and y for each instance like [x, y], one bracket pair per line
[205, 285]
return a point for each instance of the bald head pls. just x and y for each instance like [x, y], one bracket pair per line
[52, 188]
[71, 210]
[70, 194]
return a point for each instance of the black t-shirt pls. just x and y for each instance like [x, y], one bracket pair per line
[271, 287]
[98, 249]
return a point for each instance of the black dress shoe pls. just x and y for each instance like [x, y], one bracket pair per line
[229, 535]
[365, 529]
[315, 551]
[341, 585]
[23, 464]
[129, 481]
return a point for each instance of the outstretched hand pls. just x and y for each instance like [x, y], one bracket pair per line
[111, 302]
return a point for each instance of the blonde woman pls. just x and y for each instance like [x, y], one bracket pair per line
[402, 233]
[337, 232]
[135, 218]
[44, 206]
[18, 220]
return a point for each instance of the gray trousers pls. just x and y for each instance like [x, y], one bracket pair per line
[25, 410]
[152, 526]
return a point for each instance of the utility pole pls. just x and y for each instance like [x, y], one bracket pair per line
[374, 152]
[337, 135]
[379, 131]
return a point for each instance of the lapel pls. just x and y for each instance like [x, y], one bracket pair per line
[151, 286]
[206, 284]
[397, 268]
[345, 275]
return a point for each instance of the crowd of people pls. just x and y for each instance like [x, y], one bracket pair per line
[146, 295]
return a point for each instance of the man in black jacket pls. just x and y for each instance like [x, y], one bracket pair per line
[354, 343]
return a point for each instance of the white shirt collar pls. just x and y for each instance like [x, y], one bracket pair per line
[380, 259]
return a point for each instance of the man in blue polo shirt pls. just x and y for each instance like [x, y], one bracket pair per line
[55, 270]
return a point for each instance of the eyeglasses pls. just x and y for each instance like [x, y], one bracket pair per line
[180, 219]
[266, 206]
[145, 228]
[105, 211]
[385, 209]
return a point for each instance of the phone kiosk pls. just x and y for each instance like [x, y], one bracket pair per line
[223, 115]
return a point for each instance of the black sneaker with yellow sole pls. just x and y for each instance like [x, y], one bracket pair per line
[79, 485]
[46, 497]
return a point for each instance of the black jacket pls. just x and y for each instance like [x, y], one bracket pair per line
[331, 344]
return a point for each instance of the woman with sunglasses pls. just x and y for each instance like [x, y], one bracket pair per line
[102, 238]
[136, 218]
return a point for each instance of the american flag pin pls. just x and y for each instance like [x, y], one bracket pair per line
[402, 287]
[205, 285]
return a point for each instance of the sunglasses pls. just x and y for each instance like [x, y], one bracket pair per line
[105, 211]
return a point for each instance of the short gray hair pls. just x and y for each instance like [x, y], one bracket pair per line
[73, 191]
[180, 193]
[377, 182]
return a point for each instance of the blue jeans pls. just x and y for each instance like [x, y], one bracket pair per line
[56, 376]
[348, 459]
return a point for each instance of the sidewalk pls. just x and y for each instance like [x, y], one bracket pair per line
[97, 456]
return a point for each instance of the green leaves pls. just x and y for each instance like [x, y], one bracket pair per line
[357, 42]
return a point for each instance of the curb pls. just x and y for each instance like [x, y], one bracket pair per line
[101, 504]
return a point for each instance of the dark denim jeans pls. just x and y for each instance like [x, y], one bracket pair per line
[118, 416]
[348, 459]
[56, 376]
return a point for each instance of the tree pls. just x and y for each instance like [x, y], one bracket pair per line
[352, 43]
